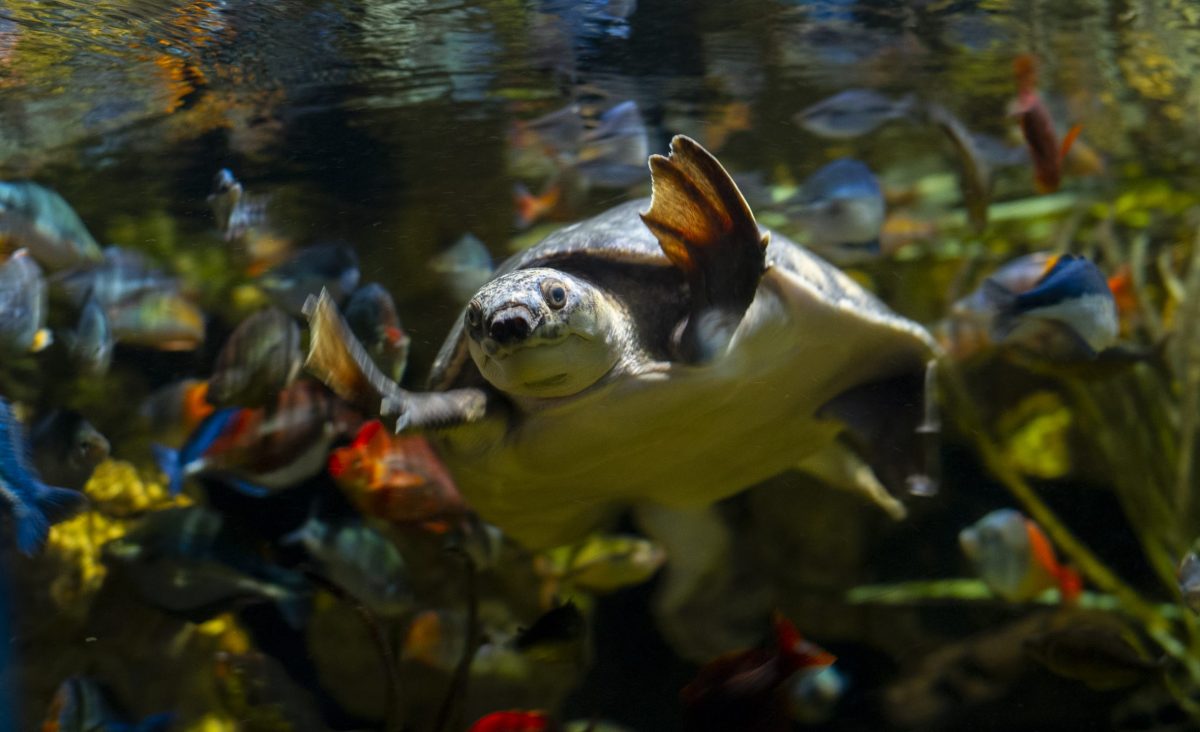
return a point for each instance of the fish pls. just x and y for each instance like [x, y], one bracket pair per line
[32, 505]
[975, 174]
[530, 208]
[1188, 573]
[554, 132]
[600, 564]
[23, 305]
[464, 267]
[1068, 314]
[359, 560]
[841, 206]
[1097, 654]
[187, 562]
[514, 720]
[397, 478]
[372, 317]
[163, 321]
[1015, 559]
[853, 113]
[258, 360]
[173, 411]
[258, 450]
[81, 704]
[330, 266]
[242, 218]
[123, 276]
[40, 220]
[745, 690]
[1037, 127]
[613, 154]
[67, 448]
[557, 635]
[91, 344]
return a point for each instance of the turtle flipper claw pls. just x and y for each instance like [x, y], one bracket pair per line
[706, 228]
[337, 358]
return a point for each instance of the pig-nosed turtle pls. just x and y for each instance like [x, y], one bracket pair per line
[671, 357]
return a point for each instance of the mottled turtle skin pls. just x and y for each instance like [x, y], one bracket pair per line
[658, 430]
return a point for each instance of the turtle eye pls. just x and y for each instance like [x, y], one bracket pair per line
[474, 315]
[555, 293]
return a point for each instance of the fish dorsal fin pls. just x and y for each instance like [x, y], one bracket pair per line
[706, 229]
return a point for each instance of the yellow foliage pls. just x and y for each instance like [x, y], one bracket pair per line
[1035, 435]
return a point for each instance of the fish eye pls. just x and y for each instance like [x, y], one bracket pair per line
[555, 293]
[474, 314]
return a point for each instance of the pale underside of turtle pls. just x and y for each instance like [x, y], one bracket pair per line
[670, 423]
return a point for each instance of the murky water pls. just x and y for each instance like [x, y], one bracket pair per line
[395, 128]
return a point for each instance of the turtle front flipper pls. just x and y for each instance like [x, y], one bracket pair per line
[706, 228]
[337, 358]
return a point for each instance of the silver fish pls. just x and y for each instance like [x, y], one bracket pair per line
[22, 305]
[42, 221]
[853, 113]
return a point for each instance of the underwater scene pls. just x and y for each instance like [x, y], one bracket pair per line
[599, 366]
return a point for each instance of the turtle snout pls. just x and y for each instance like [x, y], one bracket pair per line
[511, 325]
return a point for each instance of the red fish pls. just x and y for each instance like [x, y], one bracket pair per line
[744, 690]
[398, 478]
[1038, 128]
[514, 721]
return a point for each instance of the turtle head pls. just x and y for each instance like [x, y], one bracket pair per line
[541, 333]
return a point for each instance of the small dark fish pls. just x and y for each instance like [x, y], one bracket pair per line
[1038, 128]
[91, 343]
[514, 720]
[260, 450]
[124, 275]
[22, 306]
[745, 690]
[842, 206]
[853, 113]
[1015, 558]
[1069, 313]
[359, 560]
[975, 176]
[465, 267]
[371, 315]
[173, 411]
[236, 212]
[555, 631]
[330, 266]
[32, 505]
[259, 359]
[1093, 653]
[187, 562]
[164, 321]
[82, 705]
[67, 448]
[39, 219]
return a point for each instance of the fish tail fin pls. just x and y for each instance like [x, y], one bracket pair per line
[168, 461]
[32, 528]
[155, 723]
[1068, 141]
[1070, 584]
[41, 340]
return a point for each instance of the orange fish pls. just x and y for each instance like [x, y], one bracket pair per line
[744, 690]
[1015, 559]
[398, 478]
[1038, 128]
[1125, 295]
[531, 208]
[514, 721]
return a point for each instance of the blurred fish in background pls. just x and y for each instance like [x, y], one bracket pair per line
[22, 305]
[40, 220]
[259, 359]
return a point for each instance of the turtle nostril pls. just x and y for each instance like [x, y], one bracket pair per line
[510, 325]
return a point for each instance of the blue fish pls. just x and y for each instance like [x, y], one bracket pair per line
[34, 506]
[187, 460]
[1069, 313]
[842, 206]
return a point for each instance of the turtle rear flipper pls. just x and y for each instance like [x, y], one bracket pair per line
[706, 228]
[337, 358]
